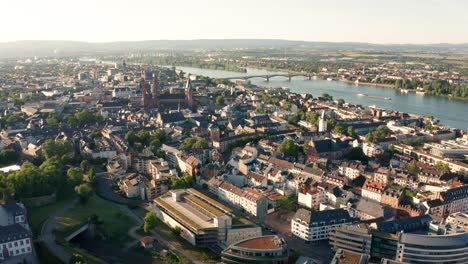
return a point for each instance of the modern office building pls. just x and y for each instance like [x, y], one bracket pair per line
[384, 245]
[263, 249]
[421, 249]
[353, 238]
[202, 220]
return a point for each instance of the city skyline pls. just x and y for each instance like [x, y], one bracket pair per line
[385, 22]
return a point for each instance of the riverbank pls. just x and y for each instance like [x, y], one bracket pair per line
[449, 112]
[382, 85]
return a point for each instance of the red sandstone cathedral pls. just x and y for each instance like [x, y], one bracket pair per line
[155, 99]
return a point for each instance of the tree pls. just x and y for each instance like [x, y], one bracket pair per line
[288, 148]
[442, 165]
[286, 106]
[52, 120]
[200, 144]
[84, 192]
[57, 148]
[340, 102]
[306, 146]
[351, 131]
[85, 117]
[76, 259]
[143, 137]
[219, 100]
[70, 119]
[8, 157]
[356, 154]
[413, 167]
[341, 128]
[294, 119]
[285, 203]
[131, 137]
[84, 165]
[183, 182]
[92, 175]
[75, 176]
[188, 143]
[150, 221]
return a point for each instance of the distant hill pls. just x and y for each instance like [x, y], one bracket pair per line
[29, 48]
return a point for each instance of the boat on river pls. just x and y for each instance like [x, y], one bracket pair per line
[374, 96]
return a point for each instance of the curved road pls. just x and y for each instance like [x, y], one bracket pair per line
[48, 236]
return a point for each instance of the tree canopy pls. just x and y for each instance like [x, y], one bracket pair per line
[193, 143]
[57, 148]
[150, 221]
[289, 148]
[8, 157]
[84, 192]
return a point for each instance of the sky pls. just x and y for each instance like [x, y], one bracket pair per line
[375, 21]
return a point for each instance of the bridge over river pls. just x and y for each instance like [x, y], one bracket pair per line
[267, 77]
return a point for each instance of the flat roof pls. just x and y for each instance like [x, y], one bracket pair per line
[261, 243]
[347, 257]
[453, 240]
[210, 200]
[191, 209]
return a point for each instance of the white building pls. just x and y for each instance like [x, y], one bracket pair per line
[318, 225]
[323, 122]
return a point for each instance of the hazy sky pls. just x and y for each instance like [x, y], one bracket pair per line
[377, 21]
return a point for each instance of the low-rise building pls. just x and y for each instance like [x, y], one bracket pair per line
[263, 249]
[318, 225]
[354, 238]
[349, 257]
[416, 248]
[202, 220]
[250, 200]
[372, 190]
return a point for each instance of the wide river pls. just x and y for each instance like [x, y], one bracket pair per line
[453, 113]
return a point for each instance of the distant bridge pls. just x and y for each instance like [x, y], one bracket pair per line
[267, 77]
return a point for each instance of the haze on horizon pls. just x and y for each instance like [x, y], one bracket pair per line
[385, 21]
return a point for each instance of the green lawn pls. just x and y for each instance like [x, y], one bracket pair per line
[38, 215]
[409, 193]
[198, 253]
[113, 221]
[194, 252]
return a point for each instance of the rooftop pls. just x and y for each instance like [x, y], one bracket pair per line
[453, 240]
[262, 243]
[190, 209]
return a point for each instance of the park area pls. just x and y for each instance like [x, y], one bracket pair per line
[112, 226]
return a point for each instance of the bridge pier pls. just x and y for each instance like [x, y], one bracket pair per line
[289, 77]
[309, 77]
[267, 78]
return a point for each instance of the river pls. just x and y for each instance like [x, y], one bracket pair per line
[450, 112]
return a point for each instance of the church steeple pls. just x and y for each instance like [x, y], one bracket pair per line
[155, 86]
[143, 92]
[189, 93]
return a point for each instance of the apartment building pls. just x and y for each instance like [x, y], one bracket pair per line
[250, 200]
[318, 225]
